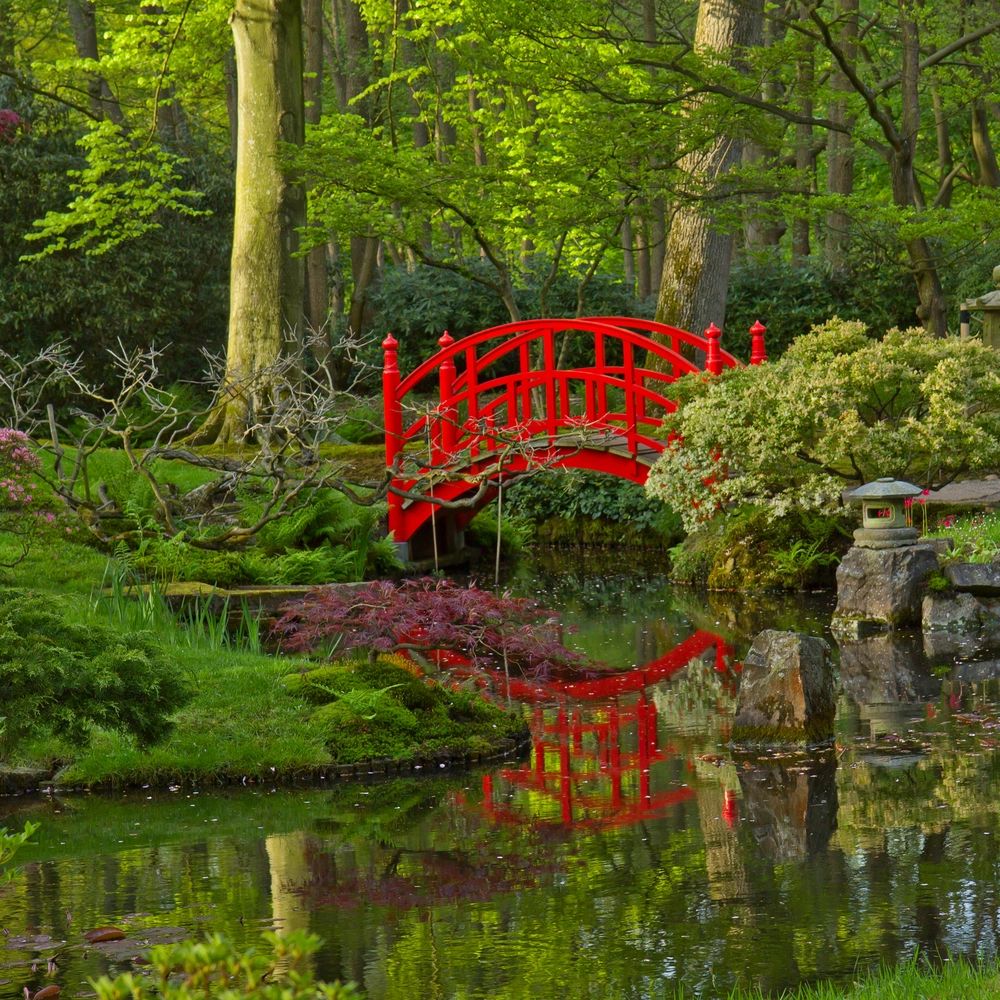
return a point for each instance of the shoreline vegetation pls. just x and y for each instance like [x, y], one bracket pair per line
[243, 723]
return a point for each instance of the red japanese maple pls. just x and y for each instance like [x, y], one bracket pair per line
[425, 616]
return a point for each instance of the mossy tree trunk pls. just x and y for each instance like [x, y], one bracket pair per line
[695, 276]
[267, 280]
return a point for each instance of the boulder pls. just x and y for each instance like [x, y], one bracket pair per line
[980, 670]
[786, 691]
[884, 585]
[952, 613]
[982, 579]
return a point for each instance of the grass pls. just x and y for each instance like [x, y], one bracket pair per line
[912, 980]
[245, 720]
[241, 723]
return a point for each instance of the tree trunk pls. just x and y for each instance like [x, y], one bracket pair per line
[696, 270]
[982, 146]
[643, 264]
[266, 278]
[628, 254]
[317, 298]
[905, 186]
[83, 22]
[805, 158]
[839, 145]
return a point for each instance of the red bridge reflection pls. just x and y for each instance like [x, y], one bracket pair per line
[594, 744]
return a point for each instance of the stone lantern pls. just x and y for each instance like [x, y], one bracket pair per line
[883, 513]
[989, 306]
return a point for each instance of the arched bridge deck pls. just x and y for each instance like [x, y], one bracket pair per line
[570, 393]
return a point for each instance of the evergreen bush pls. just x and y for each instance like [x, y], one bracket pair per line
[61, 677]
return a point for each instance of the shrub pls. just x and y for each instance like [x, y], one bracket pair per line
[419, 304]
[749, 549]
[426, 615]
[838, 408]
[616, 504]
[20, 511]
[60, 677]
[792, 298]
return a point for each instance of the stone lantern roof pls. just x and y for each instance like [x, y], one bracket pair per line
[885, 488]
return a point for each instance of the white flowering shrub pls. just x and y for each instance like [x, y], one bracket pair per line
[838, 408]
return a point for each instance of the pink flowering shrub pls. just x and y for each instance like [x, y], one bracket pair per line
[21, 515]
[11, 124]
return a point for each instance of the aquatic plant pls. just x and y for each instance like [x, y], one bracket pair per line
[215, 967]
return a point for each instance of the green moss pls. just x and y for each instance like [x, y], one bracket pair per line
[322, 685]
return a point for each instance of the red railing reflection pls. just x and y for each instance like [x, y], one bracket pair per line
[594, 746]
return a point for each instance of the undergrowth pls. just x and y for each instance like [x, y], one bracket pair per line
[976, 536]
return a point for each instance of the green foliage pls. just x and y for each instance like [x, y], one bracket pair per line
[61, 677]
[792, 298]
[418, 305]
[797, 563]
[748, 549]
[120, 194]
[216, 968]
[382, 708]
[938, 583]
[589, 508]
[10, 844]
[837, 407]
[323, 539]
[168, 288]
[516, 534]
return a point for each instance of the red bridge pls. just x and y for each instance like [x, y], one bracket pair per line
[504, 404]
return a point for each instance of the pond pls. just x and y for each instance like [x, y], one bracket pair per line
[629, 855]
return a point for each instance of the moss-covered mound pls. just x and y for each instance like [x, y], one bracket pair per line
[384, 709]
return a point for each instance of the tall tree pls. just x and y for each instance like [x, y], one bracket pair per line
[266, 276]
[699, 253]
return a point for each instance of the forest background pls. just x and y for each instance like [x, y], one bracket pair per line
[171, 171]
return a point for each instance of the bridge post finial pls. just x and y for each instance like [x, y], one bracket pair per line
[447, 412]
[392, 411]
[713, 356]
[758, 352]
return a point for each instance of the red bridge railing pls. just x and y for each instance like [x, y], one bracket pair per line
[505, 385]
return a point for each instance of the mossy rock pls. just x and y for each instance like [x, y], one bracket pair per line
[468, 707]
[322, 685]
[363, 710]
[404, 686]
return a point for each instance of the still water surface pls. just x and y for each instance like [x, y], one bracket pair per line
[628, 856]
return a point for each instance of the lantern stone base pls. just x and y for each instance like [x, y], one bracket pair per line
[884, 585]
[884, 538]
